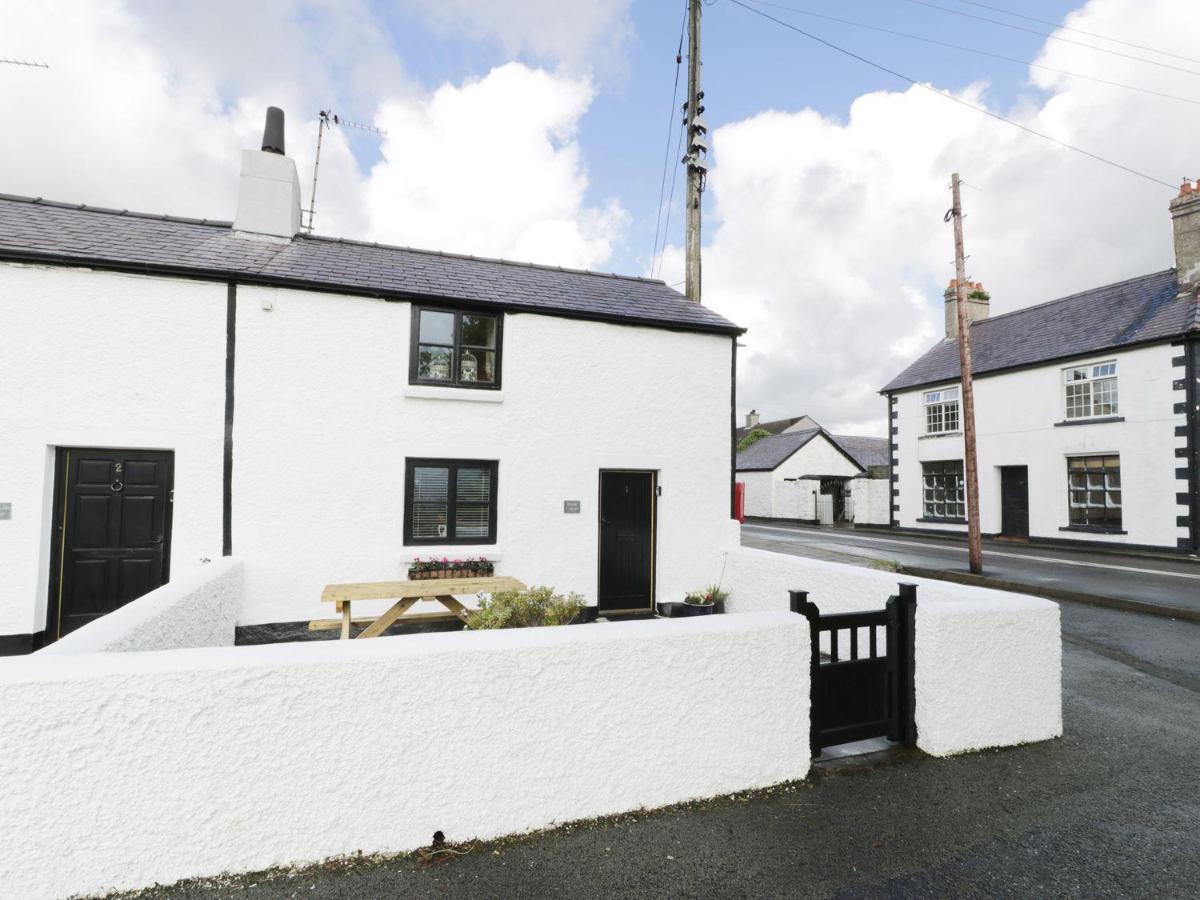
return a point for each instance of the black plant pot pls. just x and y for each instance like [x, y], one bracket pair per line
[698, 609]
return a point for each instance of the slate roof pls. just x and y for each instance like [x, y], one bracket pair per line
[767, 453]
[1137, 311]
[776, 426]
[39, 230]
[866, 451]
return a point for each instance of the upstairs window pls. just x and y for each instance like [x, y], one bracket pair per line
[449, 501]
[1091, 390]
[941, 411]
[455, 348]
[1094, 486]
[945, 495]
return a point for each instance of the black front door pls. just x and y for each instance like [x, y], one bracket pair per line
[1014, 501]
[112, 532]
[626, 541]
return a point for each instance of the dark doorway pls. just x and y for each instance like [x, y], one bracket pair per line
[112, 532]
[1014, 501]
[627, 508]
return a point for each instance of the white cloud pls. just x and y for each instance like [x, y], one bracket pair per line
[492, 167]
[147, 106]
[826, 238]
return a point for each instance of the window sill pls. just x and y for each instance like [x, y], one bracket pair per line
[942, 521]
[432, 392]
[450, 551]
[1098, 421]
[939, 434]
[1092, 529]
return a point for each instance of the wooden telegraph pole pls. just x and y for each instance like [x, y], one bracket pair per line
[974, 541]
[697, 149]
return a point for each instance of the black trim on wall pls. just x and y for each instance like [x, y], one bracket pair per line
[733, 441]
[893, 448]
[20, 644]
[1192, 367]
[227, 472]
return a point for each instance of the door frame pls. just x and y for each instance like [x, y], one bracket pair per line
[653, 473]
[58, 531]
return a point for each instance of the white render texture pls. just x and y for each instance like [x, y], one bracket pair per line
[268, 195]
[1015, 416]
[291, 754]
[872, 499]
[988, 663]
[196, 610]
[62, 384]
[325, 419]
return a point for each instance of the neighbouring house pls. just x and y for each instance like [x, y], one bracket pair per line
[175, 390]
[810, 475]
[778, 426]
[1086, 412]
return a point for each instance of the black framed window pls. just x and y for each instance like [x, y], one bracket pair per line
[455, 348]
[945, 495]
[450, 501]
[1094, 491]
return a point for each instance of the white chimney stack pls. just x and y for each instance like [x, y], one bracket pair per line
[269, 191]
[752, 418]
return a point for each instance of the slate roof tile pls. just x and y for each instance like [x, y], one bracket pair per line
[37, 229]
[1136, 311]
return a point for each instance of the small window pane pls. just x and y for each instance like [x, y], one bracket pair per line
[434, 363]
[479, 331]
[470, 521]
[431, 484]
[436, 327]
[429, 520]
[477, 366]
[474, 485]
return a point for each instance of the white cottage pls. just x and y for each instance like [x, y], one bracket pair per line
[1087, 414]
[173, 390]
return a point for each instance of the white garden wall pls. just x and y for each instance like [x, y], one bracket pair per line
[1015, 417]
[97, 359]
[988, 663]
[199, 609]
[872, 499]
[294, 753]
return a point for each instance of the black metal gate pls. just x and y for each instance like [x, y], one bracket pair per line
[862, 685]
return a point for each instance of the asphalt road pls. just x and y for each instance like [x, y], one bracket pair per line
[1167, 582]
[1110, 810]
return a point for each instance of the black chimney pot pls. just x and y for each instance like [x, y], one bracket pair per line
[272, 141]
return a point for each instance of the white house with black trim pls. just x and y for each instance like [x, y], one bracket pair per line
[814, 477]
[1086, 413]
[328, 410]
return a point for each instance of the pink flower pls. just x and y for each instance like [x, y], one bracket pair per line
[445, 560]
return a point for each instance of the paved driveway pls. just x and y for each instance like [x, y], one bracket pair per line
[1111, 810]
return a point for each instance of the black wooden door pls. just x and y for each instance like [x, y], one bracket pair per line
[1014, 501]
[112, 532]
[626, 541]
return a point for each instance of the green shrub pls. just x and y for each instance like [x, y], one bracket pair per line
[753, 437]
[524, 609]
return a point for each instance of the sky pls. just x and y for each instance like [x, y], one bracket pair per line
[538, 130]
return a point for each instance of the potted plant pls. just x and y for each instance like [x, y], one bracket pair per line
[705, 601]
[423, 570]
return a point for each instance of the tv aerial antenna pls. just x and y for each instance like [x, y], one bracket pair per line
[328, 120]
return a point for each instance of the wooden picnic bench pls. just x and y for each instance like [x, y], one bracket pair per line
[406, 594]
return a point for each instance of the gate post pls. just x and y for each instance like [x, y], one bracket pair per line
[798, 603]
[902, 612]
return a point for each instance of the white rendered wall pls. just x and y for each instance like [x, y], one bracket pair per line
[871, 500]
[97, 359]
[277, 756]
[325, 418]
[781, 495]
[988, 663]
[199, 609]
[1015, 416]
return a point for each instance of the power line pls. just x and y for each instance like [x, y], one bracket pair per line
[670, 131]
[1052, 37]
[928, 40]
[958, 100]
[1062, 27]
[4, 60]
[671, 197]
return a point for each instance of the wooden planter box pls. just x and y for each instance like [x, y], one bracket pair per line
[462, 572]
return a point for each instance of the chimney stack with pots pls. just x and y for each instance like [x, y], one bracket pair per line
[1185, 216]
[269, 191]
[978, 305]
[752, 418]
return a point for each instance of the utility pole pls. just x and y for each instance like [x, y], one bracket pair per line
[974, 541]
[697, 149]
